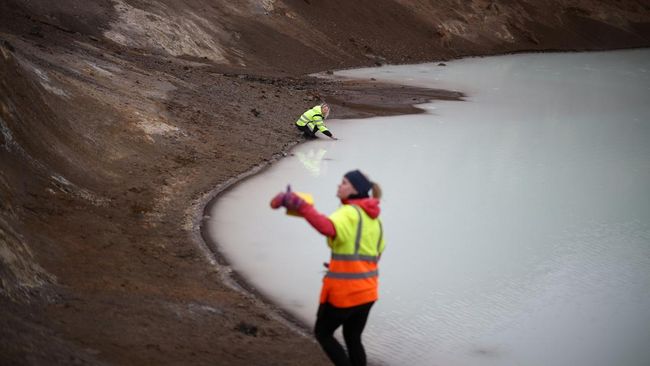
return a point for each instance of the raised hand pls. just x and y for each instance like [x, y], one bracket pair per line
[278, 200]
[292, 201]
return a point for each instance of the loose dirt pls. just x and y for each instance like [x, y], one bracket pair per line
[120, 120]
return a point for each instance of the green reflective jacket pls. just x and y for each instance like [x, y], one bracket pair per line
[313, 119]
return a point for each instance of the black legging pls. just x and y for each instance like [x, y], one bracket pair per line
[306, 132]
[353, 320]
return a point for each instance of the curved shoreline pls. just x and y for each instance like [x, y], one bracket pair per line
[119, 139]
[230, 277]
[361, 100]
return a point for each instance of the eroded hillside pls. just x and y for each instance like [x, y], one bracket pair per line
[119, 118]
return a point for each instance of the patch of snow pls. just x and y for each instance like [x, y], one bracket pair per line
[156, 127]
[268, 5]
[70, 188]
[100, 70]
[6, 134]
[46, 82]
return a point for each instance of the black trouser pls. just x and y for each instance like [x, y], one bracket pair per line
[309, 134]
[353, 320]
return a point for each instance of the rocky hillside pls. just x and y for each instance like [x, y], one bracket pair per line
[121, 119]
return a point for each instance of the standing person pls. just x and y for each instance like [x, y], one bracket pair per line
[312, 121]
[350, 287]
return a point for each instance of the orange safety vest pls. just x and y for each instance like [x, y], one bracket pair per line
[353, 274]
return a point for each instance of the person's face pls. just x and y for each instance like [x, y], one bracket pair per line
[346, 189]
[326, 111]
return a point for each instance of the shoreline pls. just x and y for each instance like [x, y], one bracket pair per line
[366, 107]
[230, 277]
[241, 278]
[123, 122]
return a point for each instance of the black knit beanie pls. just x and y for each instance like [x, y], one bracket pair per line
[359, 182]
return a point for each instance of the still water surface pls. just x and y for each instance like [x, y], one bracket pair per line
[517, 221]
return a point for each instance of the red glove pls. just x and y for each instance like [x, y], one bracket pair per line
[277, 201]
[289, 200]
[292, 201]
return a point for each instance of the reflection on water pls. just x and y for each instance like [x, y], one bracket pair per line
[517, 222]
[312, 160]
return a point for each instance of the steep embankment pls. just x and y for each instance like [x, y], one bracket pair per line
[118, 117]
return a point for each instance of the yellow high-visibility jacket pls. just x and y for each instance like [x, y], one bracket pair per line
[313, 119]
[352, 278]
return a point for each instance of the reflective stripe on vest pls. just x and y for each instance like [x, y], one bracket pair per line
[352, 257]
[314, 115]
[352, 276]
[356, 257]
[315, 118]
